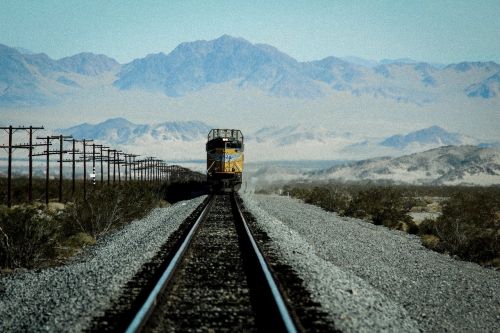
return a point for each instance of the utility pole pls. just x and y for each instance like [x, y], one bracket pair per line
[119, 162]
[140, 169]
[114, 166]
[128, 166]
[85, 143]
[61, 152]
[165, 170]
[10, 149]
[125, 155]
[92, 176]
[134, 164]
[150, 168]
[115, 153]
[73, 166]
[157, 169]
[101, 158]
[47, 153]
[30, 161]
[108, 161]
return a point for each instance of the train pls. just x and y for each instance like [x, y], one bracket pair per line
[225, 155]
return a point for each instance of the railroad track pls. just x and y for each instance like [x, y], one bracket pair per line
[217, 280]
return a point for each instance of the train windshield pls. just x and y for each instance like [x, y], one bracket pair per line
[233, 144]
[230, 134]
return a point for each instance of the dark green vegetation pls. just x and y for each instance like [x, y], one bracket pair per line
[183, 191]
[20, 190]
[34, 235]
[468, 225]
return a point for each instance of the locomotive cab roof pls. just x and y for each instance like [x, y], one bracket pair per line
[225, 135]
[226, 138]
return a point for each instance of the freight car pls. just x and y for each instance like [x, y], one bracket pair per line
[224, 160]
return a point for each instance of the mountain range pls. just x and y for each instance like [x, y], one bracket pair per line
[427, 156]
[346, 106]
[448, 165]
[186, 140]
[121, 131]
[433, 136]
[36, 79]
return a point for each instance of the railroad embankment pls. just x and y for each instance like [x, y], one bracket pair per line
[370, 277]
[361, 276]
[66, 298]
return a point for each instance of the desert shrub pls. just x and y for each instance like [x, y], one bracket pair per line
[98, 214]
[335, 199]
[427, 227]
[73, 244]
[138, 200]
[264, 191]
[383, 206]
[28, 234]
[330, 198]
[470, 226]
[319, 196]
[108, 207]
[430, 241]
[298, 192]
[32, 234]
[413, 228]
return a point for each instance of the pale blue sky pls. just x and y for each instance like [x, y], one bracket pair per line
[442, 31]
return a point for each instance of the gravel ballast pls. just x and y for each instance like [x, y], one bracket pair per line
[370, 278]
[66, 298]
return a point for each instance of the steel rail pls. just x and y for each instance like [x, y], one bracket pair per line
[285, 316]
[143, 314]
[279, 305]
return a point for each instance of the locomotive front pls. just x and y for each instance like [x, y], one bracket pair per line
[224, 160]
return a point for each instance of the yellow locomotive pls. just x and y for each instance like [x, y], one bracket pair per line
[224, 160]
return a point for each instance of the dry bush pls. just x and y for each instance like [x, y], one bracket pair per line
[382, 205]
[469, 226]
[427, 227]
[109, 207]
[330, 198]
[32, 234]
[430, 241]
[28, 234]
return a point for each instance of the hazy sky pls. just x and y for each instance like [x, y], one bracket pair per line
[431, 30]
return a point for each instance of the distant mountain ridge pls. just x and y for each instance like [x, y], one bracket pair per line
[87, 63]
[298, 142]
[36, 79]
[434, 135]
[449, 165]
[487, 88]
[192, 66]
[18, 83]
[289, 135]
[122, 131]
